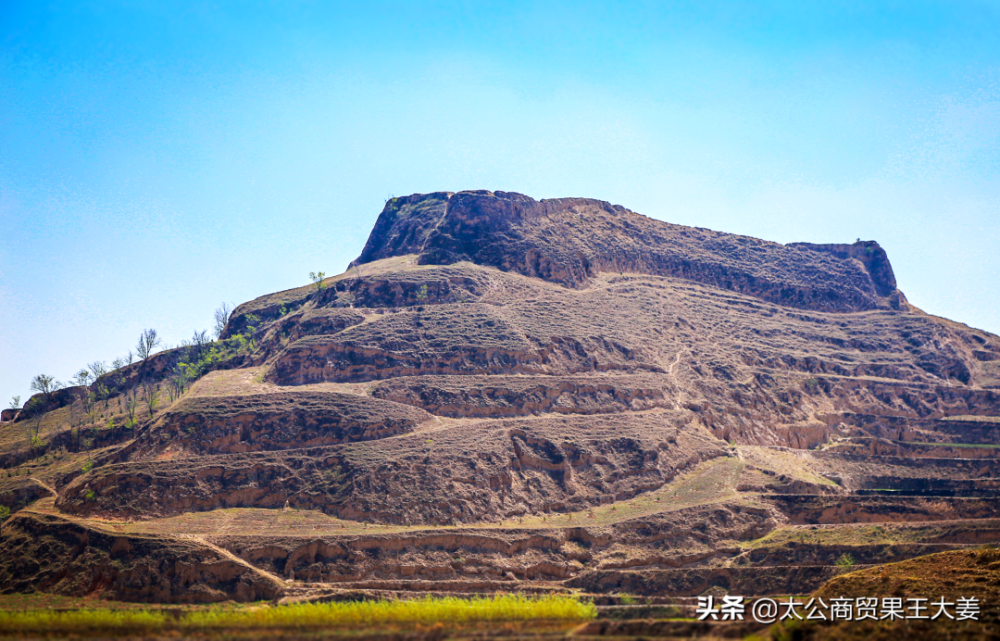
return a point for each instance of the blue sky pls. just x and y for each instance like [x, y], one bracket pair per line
[156, 161]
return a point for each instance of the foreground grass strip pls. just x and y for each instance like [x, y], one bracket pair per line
[305, 615]
[82, 621]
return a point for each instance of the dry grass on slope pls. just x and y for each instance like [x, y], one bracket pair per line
[948, 575]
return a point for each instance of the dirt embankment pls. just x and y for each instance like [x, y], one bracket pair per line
[695, 581]
[502, 396]
[481, 471]
[884, 509]
[48, 554]
[478, 555]
[279, 421]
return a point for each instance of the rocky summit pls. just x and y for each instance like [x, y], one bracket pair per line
[501, 394]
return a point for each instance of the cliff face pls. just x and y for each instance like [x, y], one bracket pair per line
[570, 240]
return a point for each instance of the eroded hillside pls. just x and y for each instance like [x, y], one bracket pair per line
[502, 391]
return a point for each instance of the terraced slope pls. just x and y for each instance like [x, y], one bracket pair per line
[503, 393]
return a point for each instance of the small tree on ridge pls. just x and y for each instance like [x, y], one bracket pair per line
[148, 341]
[317, 277]
[222, 318]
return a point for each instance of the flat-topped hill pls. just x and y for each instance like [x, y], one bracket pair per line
[570, 240]
[504, 393]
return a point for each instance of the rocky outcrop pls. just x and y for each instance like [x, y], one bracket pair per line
[405, 225]
[569, 240]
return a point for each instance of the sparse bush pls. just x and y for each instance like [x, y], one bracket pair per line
[188, 372]
[317, 278]
[240, 343]
[252, 325]
[845, 560]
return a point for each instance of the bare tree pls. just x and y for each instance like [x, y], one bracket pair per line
[89, 404]
[198, 341]
[44, 384]
[131, 403]
[150, 396]
[222, 318]
[97, 369]
[148, 342]
[176, 384]
[15, 405]
[103, 393]
[82, 378]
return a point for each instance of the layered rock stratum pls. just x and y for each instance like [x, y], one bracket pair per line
[507, 393]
